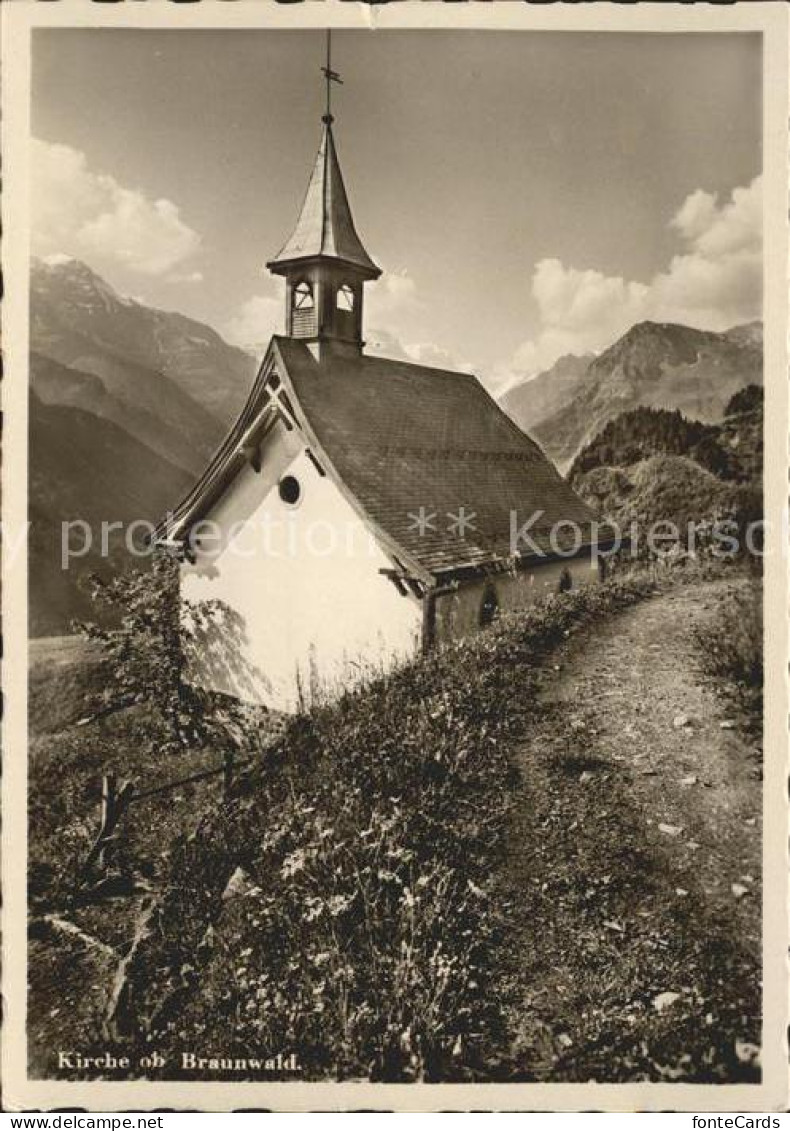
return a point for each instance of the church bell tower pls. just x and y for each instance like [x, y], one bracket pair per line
[324, 263]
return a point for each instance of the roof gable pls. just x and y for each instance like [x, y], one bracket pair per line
[403, 441]
[407, 441]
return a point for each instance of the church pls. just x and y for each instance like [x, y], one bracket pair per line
[361, 510]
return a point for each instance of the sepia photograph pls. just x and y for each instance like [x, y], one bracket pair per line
[394, 557]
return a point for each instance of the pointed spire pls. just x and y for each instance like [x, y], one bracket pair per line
[325, 226]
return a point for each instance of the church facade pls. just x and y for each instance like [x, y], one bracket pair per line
[361, 509]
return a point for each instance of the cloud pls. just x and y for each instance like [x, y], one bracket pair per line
[383, 343]
[186, 277]
[436, 357]
[394, 301]
[57, 259]
[695, 215]
[580, 312]
[390, 302]
[714, 283]
[82, 213]
[259, 317]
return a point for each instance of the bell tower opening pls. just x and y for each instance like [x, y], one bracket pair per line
[345, 313]
[302, 321]
[345, 298]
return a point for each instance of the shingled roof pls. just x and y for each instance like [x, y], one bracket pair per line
[402, 437]
[397, 438]
[325, 226]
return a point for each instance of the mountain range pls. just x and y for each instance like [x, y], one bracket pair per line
[85, 470]
[127, 404]
[655, 365]
[79, 320]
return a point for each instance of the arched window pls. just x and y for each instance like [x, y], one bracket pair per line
[345, 298]
[566, 581]
[489, 606]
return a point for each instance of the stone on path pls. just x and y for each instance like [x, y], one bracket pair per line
[665, 1000]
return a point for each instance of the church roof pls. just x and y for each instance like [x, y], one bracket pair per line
[325, 226]
[402, 437]
[398, 437]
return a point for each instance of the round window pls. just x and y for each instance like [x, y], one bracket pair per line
[290, 490]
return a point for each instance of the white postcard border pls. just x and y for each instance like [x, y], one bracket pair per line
[18, 19]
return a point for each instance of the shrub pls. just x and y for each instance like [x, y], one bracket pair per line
[635, 435]
[748, 399]
[731, 645]
[148, 648]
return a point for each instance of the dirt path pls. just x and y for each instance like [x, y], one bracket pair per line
[634, 864]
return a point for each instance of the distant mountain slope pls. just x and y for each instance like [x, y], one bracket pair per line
[657, 365]
[532, 401]
[731, 449]
[80, 321]
[166, 421]
[649, 464]
[85, 467]
[633, 436]
[127, 406]
[750, 333]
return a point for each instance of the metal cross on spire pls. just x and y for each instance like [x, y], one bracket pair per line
[330, 76]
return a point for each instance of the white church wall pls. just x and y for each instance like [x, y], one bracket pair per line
[312, 614]
[458, 614]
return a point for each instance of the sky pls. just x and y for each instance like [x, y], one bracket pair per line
[527, 194]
